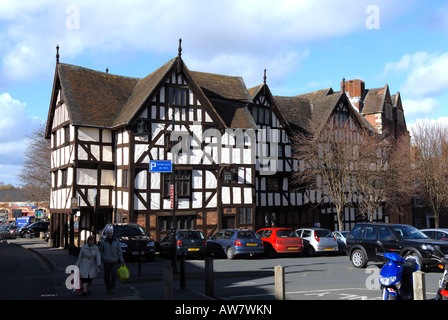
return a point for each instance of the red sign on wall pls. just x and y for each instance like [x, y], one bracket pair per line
[172, 196]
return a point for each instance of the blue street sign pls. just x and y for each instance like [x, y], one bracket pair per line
[160, 166]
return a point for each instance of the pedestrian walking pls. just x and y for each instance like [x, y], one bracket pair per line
[88, 262]
[112, 256]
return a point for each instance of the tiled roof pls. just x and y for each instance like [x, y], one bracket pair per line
[101, 99]
[374, 100]
[142, 91]
[219, 86]
[94, 98]
[296, 110]
[12, 195]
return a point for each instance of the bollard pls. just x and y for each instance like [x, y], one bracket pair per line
[209, 286]
[419, 283]
[168, 283]
[279, 275]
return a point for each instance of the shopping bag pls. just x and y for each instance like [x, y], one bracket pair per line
[123, 273]
[76, 280]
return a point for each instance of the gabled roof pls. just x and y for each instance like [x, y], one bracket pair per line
[101, 99]
[229, 97]
[143, 89]
[317, 106]
[296, 110]
[220, 86]
[316, 94]
[375, 99]
[92, 97]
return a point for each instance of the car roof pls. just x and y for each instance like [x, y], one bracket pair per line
[234, 229]
[383, 224]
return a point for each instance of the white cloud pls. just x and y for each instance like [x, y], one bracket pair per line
[210, 28]
[14, 126]
[425, 74]
[420, 107]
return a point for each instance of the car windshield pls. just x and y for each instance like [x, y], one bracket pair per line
[323, 233]
[286, 234]
[191, 235]
[247, 235]
[408, 232]
[125, 231]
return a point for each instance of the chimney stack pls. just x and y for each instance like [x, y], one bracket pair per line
[354, 90]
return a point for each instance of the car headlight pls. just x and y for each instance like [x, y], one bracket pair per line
[427, 247]
[123, 245]
[386, 281]
[150, 244]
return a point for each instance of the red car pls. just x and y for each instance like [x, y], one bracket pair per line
[280, 240]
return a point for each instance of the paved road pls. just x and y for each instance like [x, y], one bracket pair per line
[306, 278]
[23, 275]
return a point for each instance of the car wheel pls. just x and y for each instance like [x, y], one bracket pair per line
[311, 252]
[230, 253]
[416, 256]
[271, 252]
[358, 259]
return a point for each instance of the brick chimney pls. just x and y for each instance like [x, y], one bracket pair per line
[355, 90]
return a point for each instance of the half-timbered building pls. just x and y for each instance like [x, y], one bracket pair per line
[230, 146]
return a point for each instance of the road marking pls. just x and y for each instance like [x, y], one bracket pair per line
[319, 293]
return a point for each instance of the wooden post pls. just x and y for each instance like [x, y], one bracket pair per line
[279, 275]
[419, 285]
[209, 286]
[168, 283]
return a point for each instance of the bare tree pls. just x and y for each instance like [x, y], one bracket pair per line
[327, 159]
[430, 172]
[35, 174]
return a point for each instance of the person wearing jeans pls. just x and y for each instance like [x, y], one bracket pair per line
[112, 256]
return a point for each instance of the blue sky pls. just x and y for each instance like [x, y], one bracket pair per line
[304, 45]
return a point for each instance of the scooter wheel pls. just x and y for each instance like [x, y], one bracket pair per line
[387, 296]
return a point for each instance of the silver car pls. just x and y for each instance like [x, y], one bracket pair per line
[438, 234]
[317, 240]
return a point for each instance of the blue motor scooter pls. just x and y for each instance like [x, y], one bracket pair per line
[396, 276]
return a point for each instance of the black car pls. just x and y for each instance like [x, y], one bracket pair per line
[188, 243]
[133, 240]
[34, 229]
[367, 241]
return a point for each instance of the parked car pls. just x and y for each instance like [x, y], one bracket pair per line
[133, 240]
[437, 234]
[317, 240]
[188, 243]
[34, 229]
[280, 240]
[341, 239]
[235, 242]
[12, 230]
[366, 240]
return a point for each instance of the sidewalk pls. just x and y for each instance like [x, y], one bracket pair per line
[56, 260]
